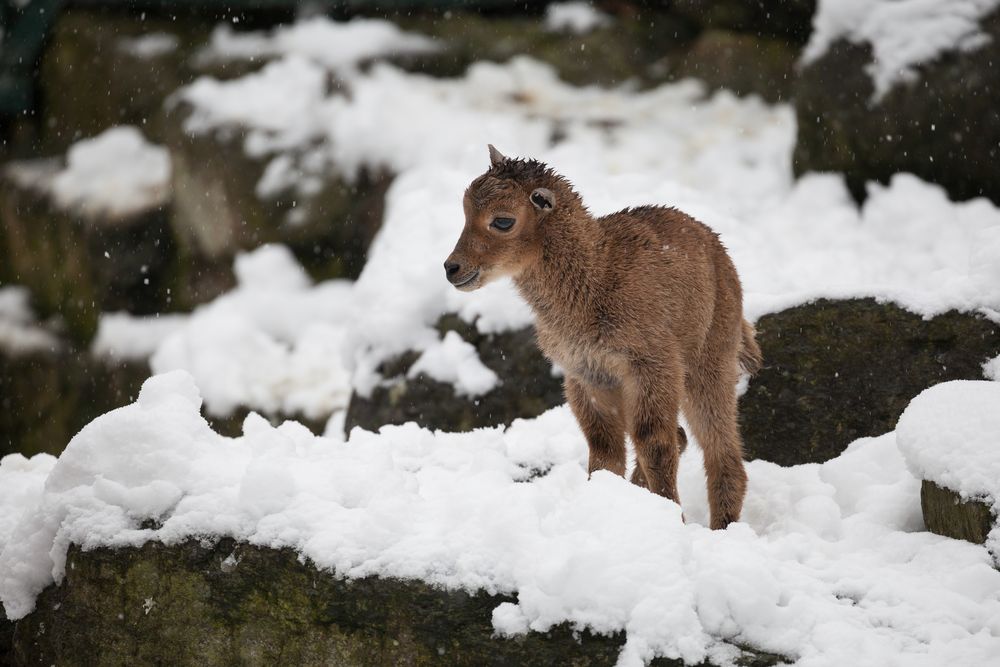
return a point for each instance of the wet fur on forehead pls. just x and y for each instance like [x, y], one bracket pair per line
[504, 178]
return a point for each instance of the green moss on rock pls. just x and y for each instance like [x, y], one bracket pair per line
[836, 371]
[945, 513]
[223, 603]
[527, 387]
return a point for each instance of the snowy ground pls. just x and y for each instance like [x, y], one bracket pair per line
[830, 565]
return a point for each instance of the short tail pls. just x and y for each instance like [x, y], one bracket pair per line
[751, 358]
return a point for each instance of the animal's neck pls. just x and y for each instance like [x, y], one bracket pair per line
[565, 275]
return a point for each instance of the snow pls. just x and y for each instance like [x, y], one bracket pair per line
[903, 34]
[117, 174]
[150, 45]
[724, 159]
[575, 17]
[273, 343]
[829, 566]
[281, 103]
[19, 332]
[991, 369]
[950, 435]
[334, 45]
[455, 361]
[22, 482]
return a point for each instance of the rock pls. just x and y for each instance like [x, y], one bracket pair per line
[217, 211]
[790, 20]
[945, 513]
[742, 63]
[105, 68]
[47, 396]
[258, 606]
[942, 127]
[528, 387]
[79, 262]
[6, 639]
[634, 47]
[835, 371]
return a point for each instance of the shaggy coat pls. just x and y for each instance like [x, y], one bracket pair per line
[641, 308]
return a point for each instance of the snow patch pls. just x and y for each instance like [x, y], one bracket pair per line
[117, 173]
[274, 343]
[19, 331]
[576, 17]
[331, 44]
[455, 361]
[151, 45]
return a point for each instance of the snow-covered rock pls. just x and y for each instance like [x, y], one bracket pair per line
[890, 86]
[828, 566]
[91, 232]
[950, 437]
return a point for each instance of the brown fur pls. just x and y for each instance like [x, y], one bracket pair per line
[641, 308]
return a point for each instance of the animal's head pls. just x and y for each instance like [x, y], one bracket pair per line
[505, 211]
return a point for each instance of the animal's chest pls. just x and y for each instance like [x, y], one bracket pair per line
[581, 353]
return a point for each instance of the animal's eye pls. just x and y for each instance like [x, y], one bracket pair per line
[503, 224]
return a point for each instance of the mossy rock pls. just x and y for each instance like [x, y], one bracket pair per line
[78, 265]
[637, 46]
[944, 127]
[217, 211]
[743, 63]
[945, 513]
[92, 78]
[527, 387]
[223, 603]
[836, 371]
[46, 397]
[790, 20]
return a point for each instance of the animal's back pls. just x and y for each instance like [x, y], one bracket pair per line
[665, 260]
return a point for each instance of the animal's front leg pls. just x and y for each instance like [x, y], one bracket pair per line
[599, 412]
[652, 398]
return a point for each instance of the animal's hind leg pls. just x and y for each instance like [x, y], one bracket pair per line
[599, 413]
[652, 400]
[711, 409]
[639, 479]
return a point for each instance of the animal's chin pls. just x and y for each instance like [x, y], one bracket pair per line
[472, 282]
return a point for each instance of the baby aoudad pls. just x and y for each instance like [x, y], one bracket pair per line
[642, 309]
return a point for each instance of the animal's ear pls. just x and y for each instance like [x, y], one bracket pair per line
[543, 199]
[496, 157]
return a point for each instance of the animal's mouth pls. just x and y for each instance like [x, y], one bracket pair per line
[468, 280]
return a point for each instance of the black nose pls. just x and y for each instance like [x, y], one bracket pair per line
[451, 268]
